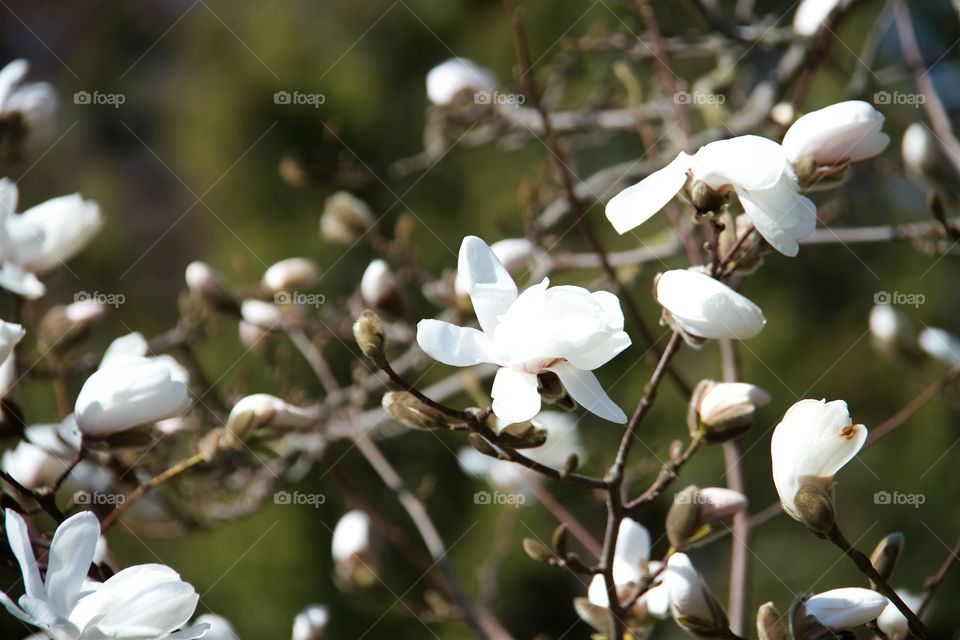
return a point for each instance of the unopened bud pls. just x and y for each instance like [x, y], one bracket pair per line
[770, 624]
[536, 550]
[345, 219]
[370, 336]
[410, 411]
[482, 445]
[919, 150]
[892, 332]
[262, 314]
[263, 410]
[311, 623]
[208, 285]
[815, 509]
[292, 274]
[523, 435]
[354, 550]
[378, 287]
[63, 325]
[572, 464]
[885, 555]
[704, 198]
[722, 410]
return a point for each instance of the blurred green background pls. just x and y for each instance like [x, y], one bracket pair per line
[186, 168]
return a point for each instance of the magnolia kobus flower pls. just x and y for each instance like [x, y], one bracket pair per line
[144, 601]
[566, 330]
[457, 76]
[311, 623]
[703, 307]
[892, 622]
[27, 109]
[754, 169]
[822, 143]
[291, 274]
[813, 441]
[692, 604]
[352, 549]
[811, 15]
[41, 238]
[131, 389]
[378, 286]
[846, 608]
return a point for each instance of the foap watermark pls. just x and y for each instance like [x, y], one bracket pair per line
[499, 498]
[899, 298]
[299, 98]
[107, 299]
[299, 298]
[896, 498]
[298, 498]
[94, 498]
[499, 99]
[699, 98]
[97, 98]
[899, 97]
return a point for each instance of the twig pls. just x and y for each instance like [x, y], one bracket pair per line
[933, 582]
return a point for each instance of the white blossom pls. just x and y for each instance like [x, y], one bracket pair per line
[311, 623]
[291, 274]
[451, 77]
[892, 622]
[813, 441]
[33, 104]
[378, 285]
[631, 563]
[687, 592]
[567, 330]
[847, 608]
[271, 411]
[844, 132]
[262, 314]
[725, 399]
[811, 15]
[940, 345]
[144, 601]
[755, 169]
[130, 389]
[704, 307]
[513, 254]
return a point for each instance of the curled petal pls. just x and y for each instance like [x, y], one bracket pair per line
[584, 387]
[453, 345]
[635, 205]
[515, 395]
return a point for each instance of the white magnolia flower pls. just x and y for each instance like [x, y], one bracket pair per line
[567, 330]
[631, 563]
[563, 439]
[719, 503]
[32, 466]
[811, 14]
[704, 307]
[893, 623]
[812, 442]
[311, 623]
[41, 238]
[31, 105]
[727, 399]
[291, 274]
[271, 411]
[513, 254]
[143, 602]
[10, 335]
[457, 75]
[262, 314]
[378, 286]
[941, 345]
[847, 608]
[218, 627]
[919, 150]
[755, 169]
[689, 596]
[844, 132]
[130, 389]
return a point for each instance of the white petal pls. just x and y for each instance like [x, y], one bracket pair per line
[71, 553]
[515, 395]
[453, 345]
[489, 284]
[130, 345]
[748, 162]
[844, 131]
[636, 204]
[941, 345]
[584, 387]
[597, 592]
[15, 278]
[706, 307]
[19, 539]
[847, 608]
[632, 551]
[781, 214]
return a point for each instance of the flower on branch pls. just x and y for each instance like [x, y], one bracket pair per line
[566, 330]
[703, 307]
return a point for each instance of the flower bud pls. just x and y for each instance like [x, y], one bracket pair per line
[695, 510]
[692, 604]
[815, 509]
[370, 336]
[783, 114]
[32, 466]
[940, 345]
[410, 411]
[892, 622]
[885, 555]
[292, 274]
[378, 287]
[250, 334]
[770, 624]
[892, 332]
[263, 410]
[725, 409]
[220, 628]
[208, 285]
[346, 218]
[62, 326]
[847, 608]
[353, 551]
[458, 78]
[920, 151]
[311, 623]
[704, 198]
[262, 314]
